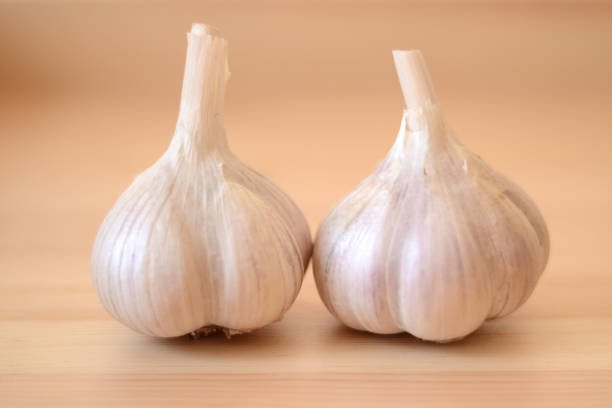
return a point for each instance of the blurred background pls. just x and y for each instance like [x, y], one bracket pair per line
[89, 97]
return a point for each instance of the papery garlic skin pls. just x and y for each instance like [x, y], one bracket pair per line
[434, 242]
[199, 240]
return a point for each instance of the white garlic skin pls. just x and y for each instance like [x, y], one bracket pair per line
[200, 240]
[433, 243]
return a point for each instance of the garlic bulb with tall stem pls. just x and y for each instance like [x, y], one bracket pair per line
[434, 242]
[200, 241]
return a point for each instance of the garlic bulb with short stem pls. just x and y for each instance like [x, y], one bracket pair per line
[434, 242]
[200, 241]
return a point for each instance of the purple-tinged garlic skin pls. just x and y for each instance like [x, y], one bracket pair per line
[200, 241]
[434, 242]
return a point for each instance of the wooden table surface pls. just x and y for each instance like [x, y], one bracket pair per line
[84, 107]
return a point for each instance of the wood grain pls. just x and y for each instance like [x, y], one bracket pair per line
[85, 110]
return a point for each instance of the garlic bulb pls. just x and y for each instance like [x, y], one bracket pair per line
[200, 241]
[434, 241]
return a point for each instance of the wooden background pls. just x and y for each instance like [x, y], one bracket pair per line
[89, 96]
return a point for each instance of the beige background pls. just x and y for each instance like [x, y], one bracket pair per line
[89, 96]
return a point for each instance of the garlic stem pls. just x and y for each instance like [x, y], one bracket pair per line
[203, 94]
[414, 78]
